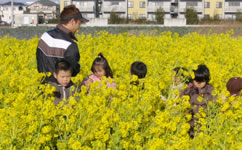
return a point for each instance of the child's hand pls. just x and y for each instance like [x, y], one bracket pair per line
[89, 81]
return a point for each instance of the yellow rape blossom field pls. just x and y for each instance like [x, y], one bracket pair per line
[126, 117]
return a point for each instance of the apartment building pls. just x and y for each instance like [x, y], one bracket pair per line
[214, 9]
[231, 8]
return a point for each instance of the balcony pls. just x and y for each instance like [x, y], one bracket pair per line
[198, 9]
[114, 9]
[174, 1]
[86, 8]
[232, 8]
[154, 8]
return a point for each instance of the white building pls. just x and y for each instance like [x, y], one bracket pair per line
[6, 13]
[174, 8]
[45, 9]
[231, 8]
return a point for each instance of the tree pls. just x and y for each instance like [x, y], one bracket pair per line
[239, 16]
[159, 16]
[191, 16]
[114, 18]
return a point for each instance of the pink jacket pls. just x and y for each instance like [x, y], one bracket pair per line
[95, 78]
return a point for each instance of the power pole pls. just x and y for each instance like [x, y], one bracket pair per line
[12, 20]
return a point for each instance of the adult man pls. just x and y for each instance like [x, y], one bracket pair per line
[58, 44]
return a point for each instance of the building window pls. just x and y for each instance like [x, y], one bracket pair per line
[219, 16]
[77, 3]
[155, 3]
[153, 17]
[192, 4]
[207, 5]
[141, 4]
[84, 15]
[206, 16]
[82, 3]
[142, 16]
[114, 3]
[67, 3]
[130, 16]
[218, 4]
[20, 8]
[151, 4]
[36, 7]
[158, 3]
[234, 3]
[130, 4]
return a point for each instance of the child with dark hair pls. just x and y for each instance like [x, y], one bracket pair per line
[100, 68]
[139, 69]
[180, 79]
[199, 88]
[62, 81]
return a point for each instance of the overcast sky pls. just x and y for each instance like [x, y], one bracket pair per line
[23, 1]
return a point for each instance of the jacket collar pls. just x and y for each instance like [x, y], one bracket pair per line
[66, 31]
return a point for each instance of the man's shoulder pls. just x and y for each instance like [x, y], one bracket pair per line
[56, 39]
[58, 34]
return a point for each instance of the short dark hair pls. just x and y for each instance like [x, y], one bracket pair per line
[202, 74]
[138, 68]
[68, 11]
[101, 60]
[62, 65]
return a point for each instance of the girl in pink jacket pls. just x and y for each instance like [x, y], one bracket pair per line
[100, 68]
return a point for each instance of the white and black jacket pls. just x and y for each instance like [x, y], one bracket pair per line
[55, 45]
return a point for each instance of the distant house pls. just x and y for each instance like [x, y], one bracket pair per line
[45, 9]
[5, 11]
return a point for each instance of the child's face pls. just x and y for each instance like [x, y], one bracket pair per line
[176, 80]
[99, 71]
[199, 85]
[63, 77]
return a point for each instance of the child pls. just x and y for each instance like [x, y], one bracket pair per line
[139, 69]
[181, 78]
[199, 87]
[100, 68]
[62, 81]
[234, 86]
[178, 81]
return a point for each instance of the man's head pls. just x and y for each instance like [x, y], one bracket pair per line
[138, 68]
[71, 18]
[63, 72]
